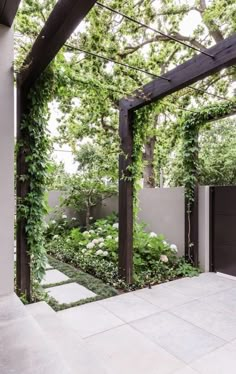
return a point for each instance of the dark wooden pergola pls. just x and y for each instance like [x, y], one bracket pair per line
[64, 18]
[8, 9]
[195, 69]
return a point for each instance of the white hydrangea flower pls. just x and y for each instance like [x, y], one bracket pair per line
[116, 239]
[101, 245]
[105, 253]
[90, 217]
[91, 231]
[100, 240]
[99, 252]
[86, 233]
[109, 237]
[95, 241]
[174, 248]
[55, 237]
[153, 235]
[53, 222]
[164, 258]
[84, 250]
[73, 219]
[90, 245]
[64, 216]
[165, 242]
[99, 229]
[115, 226]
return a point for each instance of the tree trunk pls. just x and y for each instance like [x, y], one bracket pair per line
[87, 220]
[149, 171]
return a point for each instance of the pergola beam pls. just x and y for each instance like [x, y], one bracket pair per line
[63, 20]
[8, 9]
[194, 70]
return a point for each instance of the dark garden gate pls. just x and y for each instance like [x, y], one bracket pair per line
[223, 229]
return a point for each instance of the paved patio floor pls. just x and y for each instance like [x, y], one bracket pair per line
[184, 327]
[187, 326]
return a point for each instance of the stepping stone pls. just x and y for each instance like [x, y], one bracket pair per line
[69, 293]
[53, 277]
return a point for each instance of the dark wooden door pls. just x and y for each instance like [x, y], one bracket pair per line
[223, 229]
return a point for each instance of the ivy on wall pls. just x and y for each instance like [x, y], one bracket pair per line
[191, 124]
[35, 145]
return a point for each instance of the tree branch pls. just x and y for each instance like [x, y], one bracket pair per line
[159, 38]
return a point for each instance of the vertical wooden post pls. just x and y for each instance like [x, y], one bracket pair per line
[211, 228]
[191, 230]
[23, 278]
[125, 196]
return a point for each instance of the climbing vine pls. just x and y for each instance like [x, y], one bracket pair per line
[35, 145]
[142, 129]
[191, 124]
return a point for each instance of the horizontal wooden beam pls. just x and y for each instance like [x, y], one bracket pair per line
[65, 17]
[8, 9]
[195, 69]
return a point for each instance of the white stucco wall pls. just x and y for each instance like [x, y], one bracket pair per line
[6, 162]
[162, 209]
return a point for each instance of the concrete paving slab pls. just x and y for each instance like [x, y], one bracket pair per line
[221, 361]
[125, 350]
[129, 307]
[53, 277]
[209, 318]
[89, 319]
[69, 293]
[180, 338]
[162, 297]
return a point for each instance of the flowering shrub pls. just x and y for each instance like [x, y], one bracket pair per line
[60, 227]
[96, 251]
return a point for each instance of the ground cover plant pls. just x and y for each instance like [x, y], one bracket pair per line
[95, 251]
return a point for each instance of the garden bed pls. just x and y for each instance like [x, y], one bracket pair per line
[95, 251]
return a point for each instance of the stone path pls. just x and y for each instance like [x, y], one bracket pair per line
[67, 293]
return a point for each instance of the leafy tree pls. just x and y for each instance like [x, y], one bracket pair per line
[57, 176]
[217, 156]
[90, 88]
[91, 185]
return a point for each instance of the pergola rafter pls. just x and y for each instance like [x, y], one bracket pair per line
[195, 69]
[8, 9]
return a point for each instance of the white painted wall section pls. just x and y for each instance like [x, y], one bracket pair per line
[6, 162]
[163, 210]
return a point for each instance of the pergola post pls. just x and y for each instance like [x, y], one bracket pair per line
[125, 196]
[23, 276]
[64, 18]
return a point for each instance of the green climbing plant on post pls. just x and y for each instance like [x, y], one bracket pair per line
[35, 145]
[191, 124]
